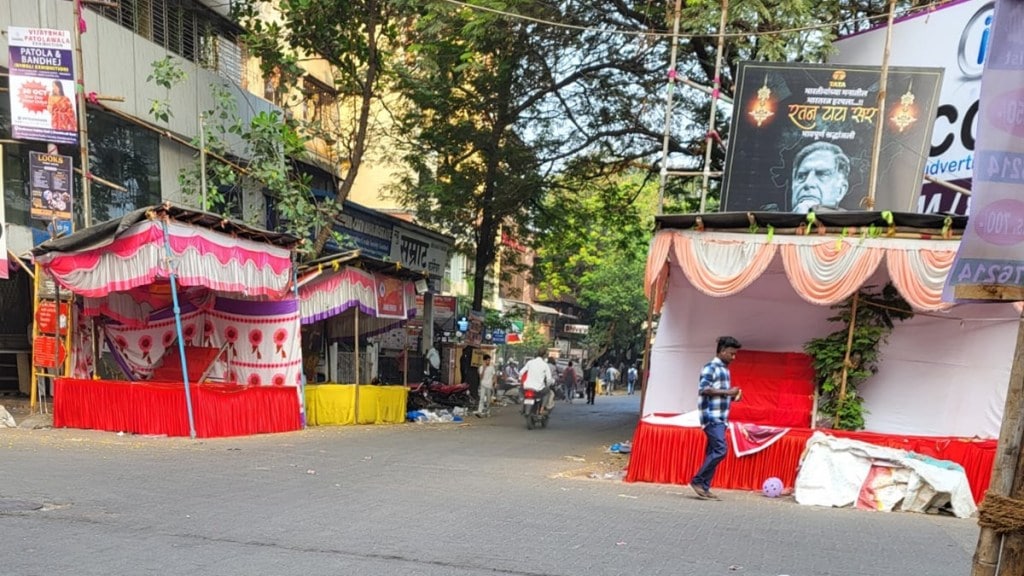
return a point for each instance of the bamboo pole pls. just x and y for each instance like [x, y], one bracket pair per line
[668, 105]
[708, 140]
[876, 148]
[986, 555]
[846, 359]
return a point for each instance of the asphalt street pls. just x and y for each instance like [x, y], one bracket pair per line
[484, 497]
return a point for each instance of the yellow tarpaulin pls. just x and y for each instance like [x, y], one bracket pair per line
[334, 404]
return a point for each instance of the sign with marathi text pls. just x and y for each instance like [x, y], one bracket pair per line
[989, 264]
[802, 137]
[42, 85]
[50, 186]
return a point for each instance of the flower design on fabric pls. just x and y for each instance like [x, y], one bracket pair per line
[298, 378]
[231, 335]
[121, 342]
[168, 338]
[232, 376]
[278, 380]
[146, 345]
[208, 332]
[280, 336]
[256, 338]
[255, 380]
[190, 332]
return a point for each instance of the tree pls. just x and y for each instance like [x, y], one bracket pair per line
[353, 38]
[595, 248]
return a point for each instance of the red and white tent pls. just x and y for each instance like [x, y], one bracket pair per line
[943, 374]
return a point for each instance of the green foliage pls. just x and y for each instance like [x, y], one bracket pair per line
[166, 73]
[877, 312]
[595, 248]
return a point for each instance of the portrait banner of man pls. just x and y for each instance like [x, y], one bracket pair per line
[802, 137]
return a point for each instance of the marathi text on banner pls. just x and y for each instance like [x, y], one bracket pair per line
[802, 137]
[390, 297]
[989, 264]
[42, 85]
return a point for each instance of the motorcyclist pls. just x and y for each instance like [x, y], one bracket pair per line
[536, 375]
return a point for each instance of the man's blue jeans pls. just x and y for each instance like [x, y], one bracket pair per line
[713, 454]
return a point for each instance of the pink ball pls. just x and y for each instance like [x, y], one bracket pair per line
[772, 487]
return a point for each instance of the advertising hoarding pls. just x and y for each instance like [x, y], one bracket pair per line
[50, 187]
[989, 263]
[802, 137]
[42, 85]
[954, 36]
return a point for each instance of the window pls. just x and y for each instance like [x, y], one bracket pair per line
[184, 27]
[320, 103]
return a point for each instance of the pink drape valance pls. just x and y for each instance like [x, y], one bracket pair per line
[722, 268]
[829, 272]
[919, 276]
[822, 272]
[657, 258]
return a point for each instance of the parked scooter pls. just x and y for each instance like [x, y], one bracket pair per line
[533, 403]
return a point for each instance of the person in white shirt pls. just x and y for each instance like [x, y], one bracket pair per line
[487, 378]
[432, 367]
[536, 375]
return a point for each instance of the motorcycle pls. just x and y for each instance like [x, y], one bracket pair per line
[432, 393]
[533, 402]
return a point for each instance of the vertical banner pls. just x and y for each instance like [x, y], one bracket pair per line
[390, 297]
[802, 137]
[989, 264]
[42, 85]
[3, 223]
[51, 186]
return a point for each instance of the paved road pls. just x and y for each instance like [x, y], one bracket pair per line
[484, 498]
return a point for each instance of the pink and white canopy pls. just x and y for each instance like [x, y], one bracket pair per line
[822, 270]
[137, 256]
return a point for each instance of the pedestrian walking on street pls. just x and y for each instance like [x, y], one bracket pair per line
[592, 376]
[631, 377]
[569, 382]
[611, 376]
[487, 381]
[715, 396]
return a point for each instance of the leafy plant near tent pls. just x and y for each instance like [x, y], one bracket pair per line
[868, 318]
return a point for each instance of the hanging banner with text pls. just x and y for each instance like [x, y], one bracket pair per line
[3, 223]
[802, 137]
[50, 190]
[42, 85]
[989, 264]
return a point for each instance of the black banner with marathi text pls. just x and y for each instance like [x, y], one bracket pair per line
[802, 137]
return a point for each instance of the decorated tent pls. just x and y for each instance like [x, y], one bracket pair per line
[196, 312]
[347, 298]
[768, 280]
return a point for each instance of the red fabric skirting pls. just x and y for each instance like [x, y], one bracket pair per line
[159, 408]
[672, 455]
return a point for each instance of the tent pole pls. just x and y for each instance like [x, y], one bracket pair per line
[181, 335]
[987, 554]
[876, 148]
[357, 364]
[298, 334]
[849, 347]
[405, 358]
[646, 367]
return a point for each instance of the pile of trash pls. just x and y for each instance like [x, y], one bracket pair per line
[455, 414]
[621, 448]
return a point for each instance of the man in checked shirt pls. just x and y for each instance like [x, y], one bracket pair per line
[715, 396]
